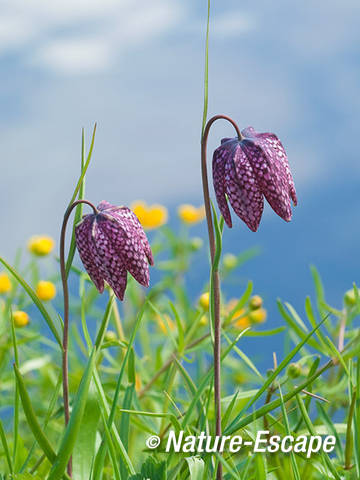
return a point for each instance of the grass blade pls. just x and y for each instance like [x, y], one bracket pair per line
[73, 427]
[35, 299]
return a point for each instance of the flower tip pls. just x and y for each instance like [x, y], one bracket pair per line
[228, 222]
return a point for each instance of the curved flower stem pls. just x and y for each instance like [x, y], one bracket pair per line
[65, 367]
[216, 276]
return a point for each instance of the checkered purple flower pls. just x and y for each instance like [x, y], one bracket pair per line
[246, 170]
[111, 243]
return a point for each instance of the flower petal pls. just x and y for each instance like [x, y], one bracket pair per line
[86, 252]
[220, 157]
[139, 231]
[125, 244]
[111, 265]
[243, 191]
[269, 142]
[127, 218]
[271, 177]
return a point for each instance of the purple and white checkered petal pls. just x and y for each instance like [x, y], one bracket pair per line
[126, 244]
[220, 157]
[84, 246]
[110, 263]
[243, 191]
[124, 214]
[271, 177]
[269, 141]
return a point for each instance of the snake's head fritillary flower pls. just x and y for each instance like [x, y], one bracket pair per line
[111, 243]
[246, 170]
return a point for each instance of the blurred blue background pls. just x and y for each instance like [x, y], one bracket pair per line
[136, 68]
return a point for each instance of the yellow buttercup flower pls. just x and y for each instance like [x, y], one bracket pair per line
[20, 318]
[45, 290]
[242, 321]
[239, 318]
[41, 245]
[150, 216]
[190, 214]
[204, 301]
[164, 327]
[5, 283]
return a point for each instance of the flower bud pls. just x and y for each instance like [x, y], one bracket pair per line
[230, 261]
[41, 245]
[196, 243]
[20, 318]
[204, 301]
[349, 298]
[45, 291]
[258, 316]
[110, 336]
[294, 370]
[5, 283]
[255, 302]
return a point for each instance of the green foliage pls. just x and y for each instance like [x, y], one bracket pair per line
[144, 368]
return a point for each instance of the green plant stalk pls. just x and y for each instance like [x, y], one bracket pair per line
[65, 342]
[215, 252]
[349, 438]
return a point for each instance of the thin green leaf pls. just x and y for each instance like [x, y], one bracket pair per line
[72, 430]
[6, 448]
[35, 299]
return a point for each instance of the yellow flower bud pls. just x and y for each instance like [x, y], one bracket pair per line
[190, 214]
[45, 290]
[255, 302]
[203, 320]
[204, 301]
[5, 283]
[138, 382]
[229, 261]
[258, 316]
[41, 245]
[150, 216]
[20, 318]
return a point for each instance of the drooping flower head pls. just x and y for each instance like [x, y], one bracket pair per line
[111, 243]
[246, 170]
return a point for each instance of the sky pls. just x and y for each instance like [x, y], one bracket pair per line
[136, 68]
